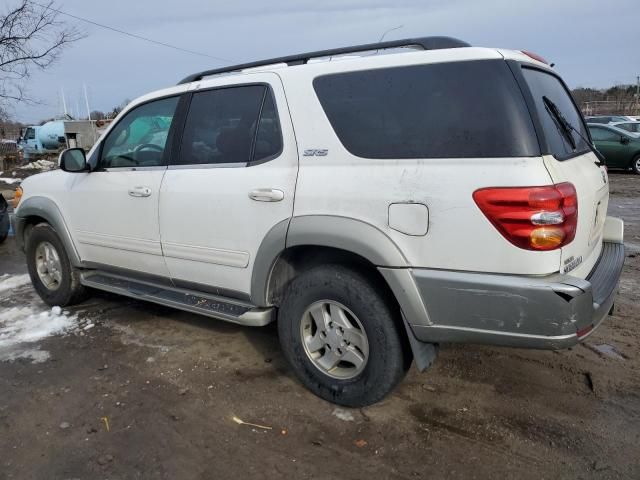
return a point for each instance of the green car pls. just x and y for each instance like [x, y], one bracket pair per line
[620, 148]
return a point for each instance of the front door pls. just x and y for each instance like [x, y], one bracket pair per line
[114, 208]
[232, 181]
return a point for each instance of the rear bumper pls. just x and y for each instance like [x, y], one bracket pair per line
[551, 312]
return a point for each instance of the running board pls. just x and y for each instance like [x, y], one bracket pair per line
[221, 308]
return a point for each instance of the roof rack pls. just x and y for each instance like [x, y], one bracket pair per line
[427, 43]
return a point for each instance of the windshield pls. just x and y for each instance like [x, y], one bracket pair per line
[562, 142]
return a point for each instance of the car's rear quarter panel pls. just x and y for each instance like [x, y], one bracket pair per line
[459, 237]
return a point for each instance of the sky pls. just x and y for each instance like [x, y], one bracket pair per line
[592, 42]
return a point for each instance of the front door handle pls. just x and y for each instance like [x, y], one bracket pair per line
[266, 195]
[140, 191]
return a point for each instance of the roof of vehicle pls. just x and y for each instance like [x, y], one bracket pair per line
[426, 43]
[373, 55]
[411, 51]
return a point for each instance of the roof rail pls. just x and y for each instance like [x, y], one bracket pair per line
[427, 43]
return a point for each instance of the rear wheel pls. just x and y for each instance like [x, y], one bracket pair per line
[341, 336]
[53, 277]
[635, 165]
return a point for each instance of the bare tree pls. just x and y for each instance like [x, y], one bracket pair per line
[31, 38]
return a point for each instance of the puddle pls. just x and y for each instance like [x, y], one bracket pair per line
[609, 351]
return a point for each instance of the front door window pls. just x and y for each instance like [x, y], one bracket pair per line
[140, 138]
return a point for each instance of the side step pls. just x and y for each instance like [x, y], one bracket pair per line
[221, 308]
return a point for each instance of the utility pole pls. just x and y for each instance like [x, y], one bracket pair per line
[86, 101]
[638, 94]
[64, 101]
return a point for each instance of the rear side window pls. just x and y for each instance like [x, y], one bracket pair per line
[629, 127]
[543, 85]
[603, 135]
[444, 110]
[230, 125]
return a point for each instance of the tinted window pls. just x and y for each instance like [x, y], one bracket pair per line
[140, 137]
[603, 135]
[542, 85]
[222, 126]
[465, 109]
[268, 137]
[31, 134]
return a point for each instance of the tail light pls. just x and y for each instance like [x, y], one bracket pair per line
[533, 218]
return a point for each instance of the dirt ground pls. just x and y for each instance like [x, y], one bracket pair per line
[150, 393]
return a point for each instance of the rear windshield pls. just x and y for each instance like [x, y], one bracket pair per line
[542, 85]
[444, 110]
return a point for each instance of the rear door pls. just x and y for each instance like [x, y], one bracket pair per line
[231, 182]
[569, 158]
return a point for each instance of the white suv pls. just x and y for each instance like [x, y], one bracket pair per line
[374, 205]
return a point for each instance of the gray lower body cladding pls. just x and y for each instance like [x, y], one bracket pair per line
[531, 312]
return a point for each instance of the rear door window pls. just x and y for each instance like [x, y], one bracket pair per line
[443, 110]
[230, 125]
[543, 84]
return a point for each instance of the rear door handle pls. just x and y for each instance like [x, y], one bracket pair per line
[140, 191]
[266, 195]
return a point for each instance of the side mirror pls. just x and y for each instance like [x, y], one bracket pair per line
[624, 140]
[73, 160]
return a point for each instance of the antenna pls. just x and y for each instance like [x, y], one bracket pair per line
[388, 31]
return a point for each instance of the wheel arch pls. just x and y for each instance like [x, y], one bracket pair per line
[307, 240]
[38, 209]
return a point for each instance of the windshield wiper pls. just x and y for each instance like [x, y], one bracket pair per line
[567, 129]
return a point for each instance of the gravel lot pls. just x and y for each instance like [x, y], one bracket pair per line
[150, 392]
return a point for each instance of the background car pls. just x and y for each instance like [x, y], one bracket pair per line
[4, 219]
[608, 119]
[620, 148]
[632, 127]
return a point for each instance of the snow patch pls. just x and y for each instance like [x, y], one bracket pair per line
[39, 165]
[10, 180]
[9, 282]
[342, 414]
[34, 354]
[26, 324]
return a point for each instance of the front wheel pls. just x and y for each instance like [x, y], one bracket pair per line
[342, 337]
[53, 277]
[635, 165]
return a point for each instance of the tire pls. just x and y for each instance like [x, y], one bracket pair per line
[65, 289]
[333, 287]
[635, 164]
